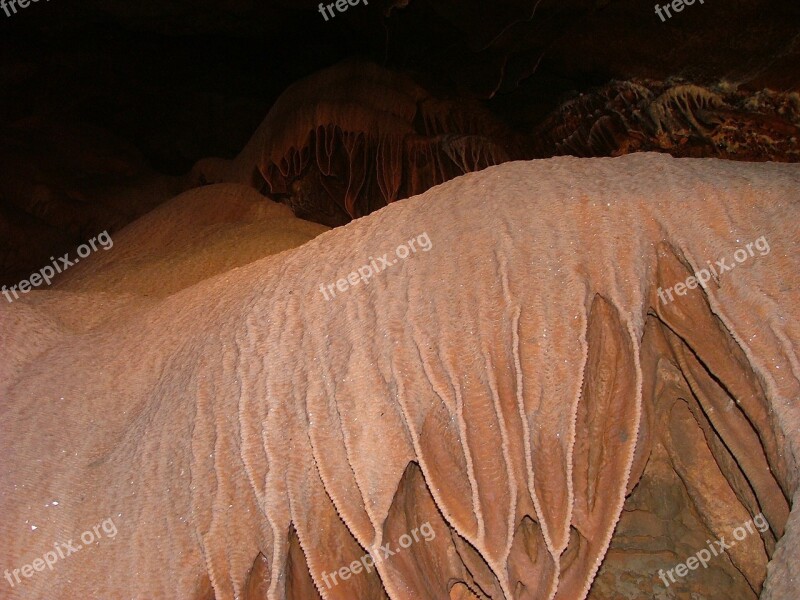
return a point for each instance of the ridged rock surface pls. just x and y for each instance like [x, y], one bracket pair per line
[510, 387]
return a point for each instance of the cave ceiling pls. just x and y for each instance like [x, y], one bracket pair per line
[100, 92]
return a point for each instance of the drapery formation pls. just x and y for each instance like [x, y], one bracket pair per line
[522, 388]
[371, 137]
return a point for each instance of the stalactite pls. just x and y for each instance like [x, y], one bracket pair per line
[375, 137]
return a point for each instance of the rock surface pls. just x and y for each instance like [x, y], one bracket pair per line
[246, 434]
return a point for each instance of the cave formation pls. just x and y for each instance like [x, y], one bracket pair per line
[196, 134]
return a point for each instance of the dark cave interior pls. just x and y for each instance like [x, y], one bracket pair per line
[96, 95]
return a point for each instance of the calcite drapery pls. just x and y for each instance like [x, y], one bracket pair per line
[530, 396]
[355, 137]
